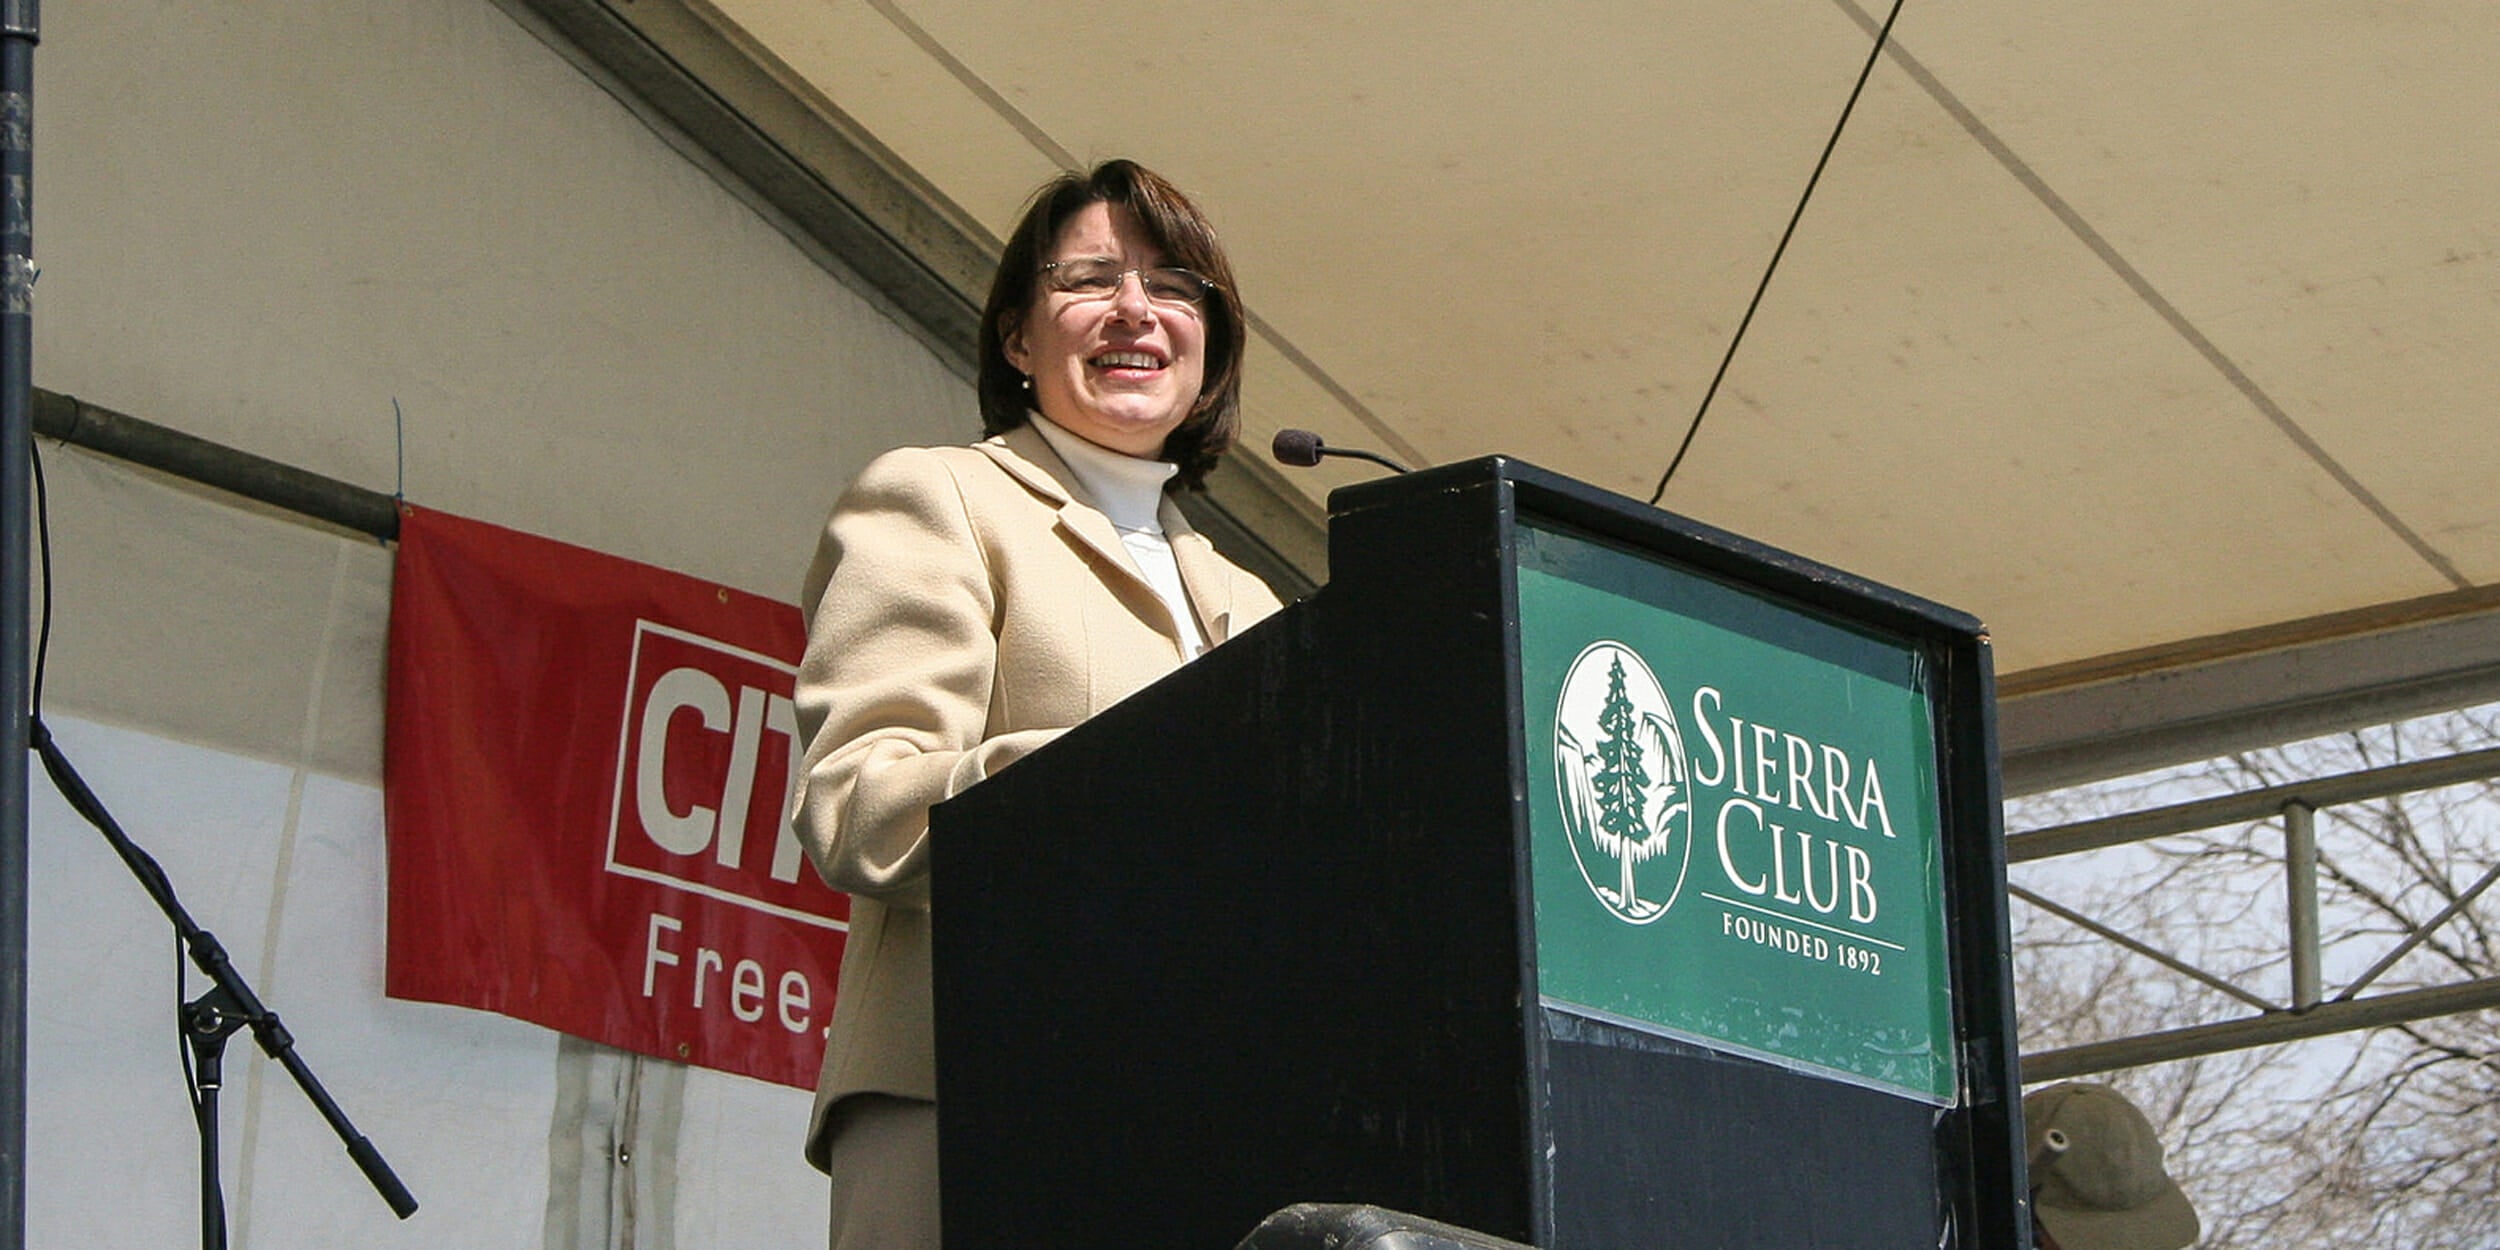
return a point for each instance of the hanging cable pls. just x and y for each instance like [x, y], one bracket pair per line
[1881, 37]
[43, 550]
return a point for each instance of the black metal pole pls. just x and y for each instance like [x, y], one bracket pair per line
[19, 23]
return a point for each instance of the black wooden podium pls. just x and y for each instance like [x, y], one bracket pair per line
[1301, 922]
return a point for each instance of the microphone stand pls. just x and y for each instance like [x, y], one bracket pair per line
[1356, 453]
[1303, 449]
[207, 1021]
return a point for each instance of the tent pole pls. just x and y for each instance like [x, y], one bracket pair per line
[19, 22]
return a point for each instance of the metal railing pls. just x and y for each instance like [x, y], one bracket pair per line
[2308, 1012]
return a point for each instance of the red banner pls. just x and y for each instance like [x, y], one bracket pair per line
[583, 783]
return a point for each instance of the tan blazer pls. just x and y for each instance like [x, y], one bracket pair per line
[966, 605]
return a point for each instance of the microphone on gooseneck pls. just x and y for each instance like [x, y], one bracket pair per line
[1302, 449]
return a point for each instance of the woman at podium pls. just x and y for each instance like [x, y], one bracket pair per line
[967, 604]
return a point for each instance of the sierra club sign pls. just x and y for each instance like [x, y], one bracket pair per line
[1733, 808]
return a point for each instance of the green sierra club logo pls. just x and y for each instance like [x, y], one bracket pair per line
[1623, 797]
[1806, 926]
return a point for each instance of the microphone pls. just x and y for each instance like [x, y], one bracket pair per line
[1302, 449]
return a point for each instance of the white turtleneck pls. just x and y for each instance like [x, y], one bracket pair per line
[1130, 492]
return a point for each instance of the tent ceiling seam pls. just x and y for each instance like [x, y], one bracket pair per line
[974, 83]
[2144, 290]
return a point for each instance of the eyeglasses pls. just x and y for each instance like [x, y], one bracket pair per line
[1099, 278]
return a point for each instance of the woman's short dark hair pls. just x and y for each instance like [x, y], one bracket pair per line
[1172, 224]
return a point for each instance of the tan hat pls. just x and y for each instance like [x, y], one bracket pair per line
[2096, 1173]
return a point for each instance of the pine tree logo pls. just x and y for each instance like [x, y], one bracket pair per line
[1619, 767]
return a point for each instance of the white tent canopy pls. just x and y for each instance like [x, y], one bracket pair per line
[2155, 337]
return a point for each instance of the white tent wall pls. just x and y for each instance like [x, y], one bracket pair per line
[262, 222]
[266, 221]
